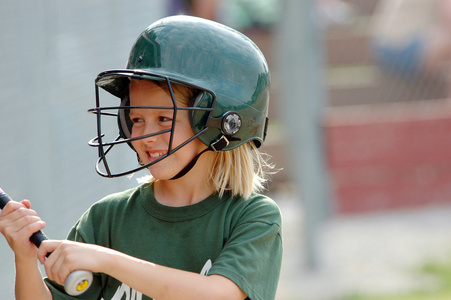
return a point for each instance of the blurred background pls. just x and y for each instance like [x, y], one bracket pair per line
[360, 128]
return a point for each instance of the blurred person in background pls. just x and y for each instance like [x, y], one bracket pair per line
[200, 8]
[412, 38]
[334, 12]
[238, 14]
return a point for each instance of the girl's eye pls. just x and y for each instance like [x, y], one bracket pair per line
[165, 119]
[136, 120]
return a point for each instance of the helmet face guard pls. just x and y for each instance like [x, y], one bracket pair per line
[120, 115]
[226, 68]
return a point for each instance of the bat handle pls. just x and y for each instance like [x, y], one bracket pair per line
[78, 281]
[4, 198]
[38, 236]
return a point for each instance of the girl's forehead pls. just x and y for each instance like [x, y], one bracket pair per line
[148, 93]
[149, 85]
[152, 88]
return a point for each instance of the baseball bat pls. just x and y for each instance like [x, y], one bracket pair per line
[78, 281]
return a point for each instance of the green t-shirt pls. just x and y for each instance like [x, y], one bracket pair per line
[236, 238]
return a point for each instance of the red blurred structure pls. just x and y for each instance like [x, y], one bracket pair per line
[389, 156]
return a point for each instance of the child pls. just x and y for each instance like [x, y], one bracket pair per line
[193, 106]
[411, 38]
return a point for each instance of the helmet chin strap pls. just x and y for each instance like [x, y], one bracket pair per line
[217, 146]
[189, 166]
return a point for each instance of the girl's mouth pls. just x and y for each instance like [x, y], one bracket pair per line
[154, 155]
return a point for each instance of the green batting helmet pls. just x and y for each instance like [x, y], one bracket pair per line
[227, 68]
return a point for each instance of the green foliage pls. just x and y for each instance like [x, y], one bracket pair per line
[439, 271]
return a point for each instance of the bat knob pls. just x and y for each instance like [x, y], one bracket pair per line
[78, 282]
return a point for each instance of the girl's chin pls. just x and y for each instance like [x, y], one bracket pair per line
[161, 172]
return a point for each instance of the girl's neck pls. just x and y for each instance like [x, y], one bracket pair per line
[177, 194]
[190, 189]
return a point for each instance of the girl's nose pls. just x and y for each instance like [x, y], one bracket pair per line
[156, 132]
[153, 130]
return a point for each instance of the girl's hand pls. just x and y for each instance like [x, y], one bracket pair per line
[68, 256]
[18, 223]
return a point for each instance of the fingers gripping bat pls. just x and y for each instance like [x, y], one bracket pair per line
[78, 281]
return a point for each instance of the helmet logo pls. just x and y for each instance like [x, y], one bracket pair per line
[231, 123]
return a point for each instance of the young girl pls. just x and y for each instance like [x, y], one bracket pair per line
[193, 107]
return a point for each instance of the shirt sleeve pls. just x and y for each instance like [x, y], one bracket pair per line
[252, 255]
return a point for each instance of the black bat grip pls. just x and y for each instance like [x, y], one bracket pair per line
[37, 237]
[78, 281]
[4, 198]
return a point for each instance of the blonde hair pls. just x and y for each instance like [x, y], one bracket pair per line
[242, 171]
